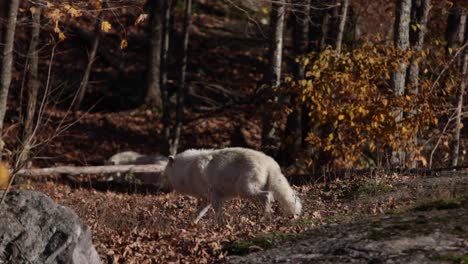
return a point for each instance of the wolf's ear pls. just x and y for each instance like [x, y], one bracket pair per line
[171, 159]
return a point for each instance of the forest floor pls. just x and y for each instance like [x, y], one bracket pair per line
[432, 231]
[156, 227]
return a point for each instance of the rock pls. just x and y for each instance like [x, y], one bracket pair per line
[34, 229]
[436, 233]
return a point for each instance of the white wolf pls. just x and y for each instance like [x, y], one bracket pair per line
[131, 157]
[217, 175]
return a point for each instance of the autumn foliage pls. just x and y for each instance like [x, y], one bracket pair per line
[352, 106]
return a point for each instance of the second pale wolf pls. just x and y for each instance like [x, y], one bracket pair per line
[215, 176]
[135, 158]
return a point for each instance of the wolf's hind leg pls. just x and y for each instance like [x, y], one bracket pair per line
[217, 202]
[202, 210]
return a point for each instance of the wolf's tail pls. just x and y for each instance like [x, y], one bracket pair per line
[283, 193]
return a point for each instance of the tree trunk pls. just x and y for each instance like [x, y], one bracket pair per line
[301, 26]
[419, 17]
[70, 170]
[402, 42]
[325, 30]
[460, 97]
[97, 38]
[356, 27]
[292, 142]
[341, 26]
[153, 93]
[452, 31]
[7, 58]
[3, 18]
[182, 78]
[271, 126]
[164, 62]
[33, 85]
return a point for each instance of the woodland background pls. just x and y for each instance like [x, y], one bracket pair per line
[325, 87]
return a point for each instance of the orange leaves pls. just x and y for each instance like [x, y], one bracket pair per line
[352, 104]
[123, 44]
[4, 175]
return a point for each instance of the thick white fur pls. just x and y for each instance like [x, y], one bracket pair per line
[217, 175]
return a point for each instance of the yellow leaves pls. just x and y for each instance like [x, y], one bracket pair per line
[57, 30]
[141, 18]
[362, 110]
[123, 44]
[106, 26]
[72, 11]
[33, 10]
[56, 13]
[350, 97]
[421, 158]
[61, 36]
[4, 175]
[404, 130]
[372, 146]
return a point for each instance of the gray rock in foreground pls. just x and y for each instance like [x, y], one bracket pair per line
[34, 229]
[425, 236]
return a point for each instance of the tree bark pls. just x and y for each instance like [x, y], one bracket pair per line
[70, 170]
[301, 26]
[419, 17]
[3, 18]
[325, 30]
[452, 31]
[402, 42]
[292, 142]
[164, 62]
[153, 93]
[97, 38]
[341, 26]
[182, 78]
[33, 85]
[271, 126]
[460, 97]
[7, 58]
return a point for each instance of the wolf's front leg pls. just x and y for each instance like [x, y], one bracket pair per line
[203, 208]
